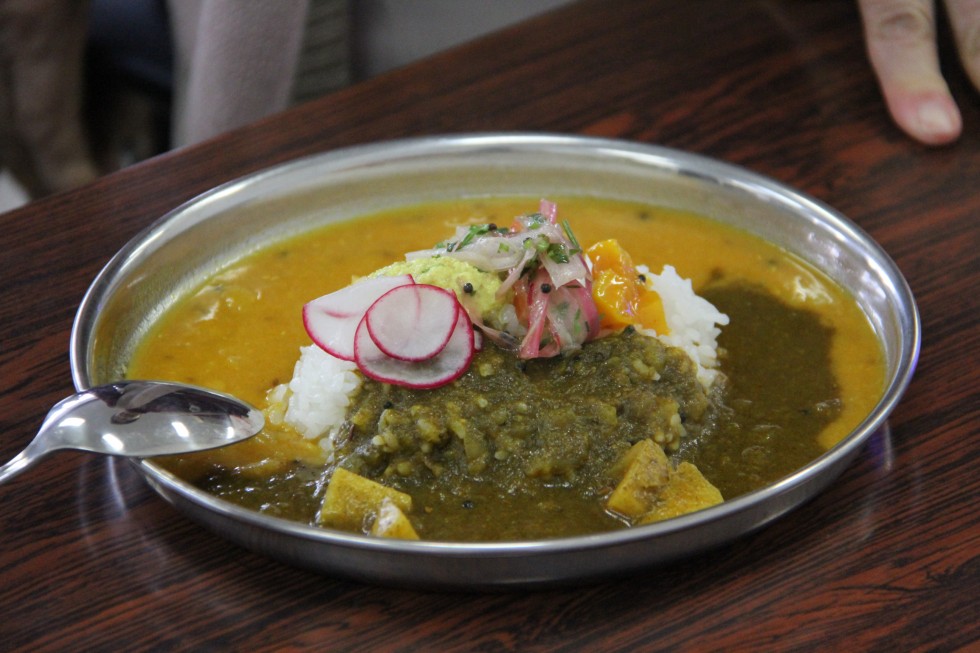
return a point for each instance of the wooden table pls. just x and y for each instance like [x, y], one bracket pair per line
[886, 559]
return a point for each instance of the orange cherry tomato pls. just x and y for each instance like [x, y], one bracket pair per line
[650, 312]
[613, 284]
[621, 298]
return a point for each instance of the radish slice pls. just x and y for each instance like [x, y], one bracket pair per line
[331, 321]
[356, 299]
[413, 322]
[446, 366]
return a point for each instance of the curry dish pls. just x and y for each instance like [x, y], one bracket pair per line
[620, 432]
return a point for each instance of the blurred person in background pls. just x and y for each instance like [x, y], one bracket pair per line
[234, 63]
[230, 62]
[42, 140]
[223, 64]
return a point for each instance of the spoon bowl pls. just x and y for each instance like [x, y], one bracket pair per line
[140, 419]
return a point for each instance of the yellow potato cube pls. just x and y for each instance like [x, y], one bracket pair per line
[645, 471]
[392, 522]
[351, 501]
[688, 490]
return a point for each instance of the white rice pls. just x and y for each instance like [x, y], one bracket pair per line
[691, 320]
[317, 396]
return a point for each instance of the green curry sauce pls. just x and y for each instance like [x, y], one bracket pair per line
[540, 436]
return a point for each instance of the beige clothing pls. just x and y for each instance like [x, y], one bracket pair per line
[235, 62]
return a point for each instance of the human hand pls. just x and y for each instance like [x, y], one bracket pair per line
[901, 41]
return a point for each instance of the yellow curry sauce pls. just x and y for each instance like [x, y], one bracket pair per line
[241, 331]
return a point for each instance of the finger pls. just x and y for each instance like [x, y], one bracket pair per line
[901, 40]
[964, 17]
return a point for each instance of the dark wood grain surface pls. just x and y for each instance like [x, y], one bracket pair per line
[887, 559]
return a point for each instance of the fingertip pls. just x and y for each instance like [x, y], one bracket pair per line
[930, 119]
[938, 122]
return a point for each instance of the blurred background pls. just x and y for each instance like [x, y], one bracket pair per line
[92, 86]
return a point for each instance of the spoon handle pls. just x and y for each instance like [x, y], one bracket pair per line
[25, 459]
[140, 419]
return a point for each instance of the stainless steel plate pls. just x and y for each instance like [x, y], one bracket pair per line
[186, 245]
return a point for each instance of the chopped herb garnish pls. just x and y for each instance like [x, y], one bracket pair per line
[533, 220]
[472, 232]
[531, 267]
[558, 253]
[571, 237]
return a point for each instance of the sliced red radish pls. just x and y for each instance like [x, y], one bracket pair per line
[331, 321]
[446, 366]
[412, 322]
[355, 299]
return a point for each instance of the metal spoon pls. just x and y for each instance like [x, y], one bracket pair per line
[141, 419]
